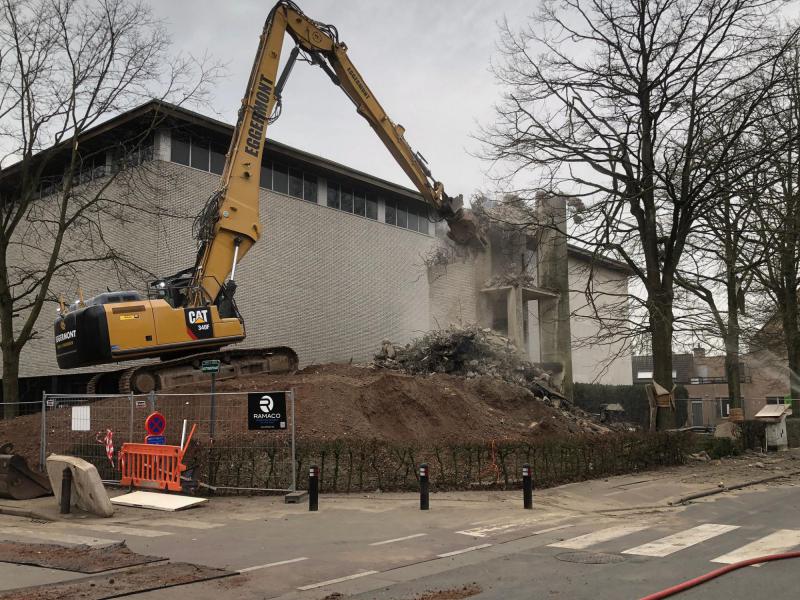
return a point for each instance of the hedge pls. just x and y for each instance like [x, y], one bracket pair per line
[367, 465]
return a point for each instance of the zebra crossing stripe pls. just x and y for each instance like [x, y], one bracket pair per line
[681, 540]
[782, 540]
[598, 537]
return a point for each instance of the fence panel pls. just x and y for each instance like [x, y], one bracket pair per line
[223, 453]
[77, 425]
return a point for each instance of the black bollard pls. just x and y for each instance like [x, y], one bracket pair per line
[66, 490]
[527, 487]
[313, 488]
[424, 497]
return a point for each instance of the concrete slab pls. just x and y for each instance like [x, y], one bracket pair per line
[88, 492]
[155, 501]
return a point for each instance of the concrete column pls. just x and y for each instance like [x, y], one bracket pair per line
[516, 318]
[553, 274]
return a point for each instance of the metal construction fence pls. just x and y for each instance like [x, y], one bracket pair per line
[94, 428]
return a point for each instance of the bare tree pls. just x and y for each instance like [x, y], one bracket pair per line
[609, 100]
[66, 66]
[774, 234]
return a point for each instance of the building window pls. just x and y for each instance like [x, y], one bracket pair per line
[309, 187]
[217, 160]
[776, 400]
[360, 204]
[266, 178]
[296, 183]
[402, 216]
[644, 375]
[412, 220]
[179, 149]
[391, 213]
[372, 209]
[200, 155]
[280, 179]
[347, 200]
[333, 196]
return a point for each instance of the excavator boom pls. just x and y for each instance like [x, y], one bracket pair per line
[234, 208]
[192, 314]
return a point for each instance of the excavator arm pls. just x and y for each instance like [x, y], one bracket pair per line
[230, 224]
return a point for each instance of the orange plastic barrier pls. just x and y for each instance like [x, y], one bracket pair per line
[152, 465]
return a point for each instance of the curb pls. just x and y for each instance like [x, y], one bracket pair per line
[22, 512]
[730, 488]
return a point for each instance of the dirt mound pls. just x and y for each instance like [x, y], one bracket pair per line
[343, 400]
[333, 401]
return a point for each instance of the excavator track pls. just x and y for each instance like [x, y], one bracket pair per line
[155, 376]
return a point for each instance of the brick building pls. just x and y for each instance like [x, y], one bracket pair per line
[764, 380]
[345, 259]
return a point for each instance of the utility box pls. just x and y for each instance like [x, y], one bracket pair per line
[774, 415]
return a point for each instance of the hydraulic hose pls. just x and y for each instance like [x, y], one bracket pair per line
[675, 589]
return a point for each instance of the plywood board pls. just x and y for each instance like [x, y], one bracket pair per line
[774, 410]
[155, 501]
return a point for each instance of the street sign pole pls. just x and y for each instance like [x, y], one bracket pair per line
[294, 456]
[212, 366]
[213, 405]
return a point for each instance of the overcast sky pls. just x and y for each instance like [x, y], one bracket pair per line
[428, 63]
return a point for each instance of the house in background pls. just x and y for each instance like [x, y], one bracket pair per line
[764, 380]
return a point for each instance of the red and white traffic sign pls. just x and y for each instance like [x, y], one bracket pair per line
[155, 424]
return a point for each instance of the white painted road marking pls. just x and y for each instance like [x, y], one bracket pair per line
[462, 551]
[50, 536]
[338, 580]
[135, 531]
[598, 537]
[782, 540]
[549, 529]
[400, 539]
[502, 527]
[275, 564]
[681, 540]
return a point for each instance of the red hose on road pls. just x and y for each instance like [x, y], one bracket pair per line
[675, 589]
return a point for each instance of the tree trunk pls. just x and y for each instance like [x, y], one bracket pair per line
[661, 320]
[792, 337]
[732, 361]
[10, 384]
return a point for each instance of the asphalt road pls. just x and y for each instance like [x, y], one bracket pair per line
[383, 547]
[533, 568]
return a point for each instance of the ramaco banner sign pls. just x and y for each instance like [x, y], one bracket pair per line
[198, 322]
[266, 410]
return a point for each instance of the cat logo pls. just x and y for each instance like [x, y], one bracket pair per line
[198, 317]
[198, 323]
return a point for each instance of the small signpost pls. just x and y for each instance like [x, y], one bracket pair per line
[268, 411]
[155, 425]
[211, 366]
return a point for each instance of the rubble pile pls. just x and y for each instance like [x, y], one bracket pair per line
[473, 352]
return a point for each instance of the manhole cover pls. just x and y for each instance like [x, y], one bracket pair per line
[590, 558]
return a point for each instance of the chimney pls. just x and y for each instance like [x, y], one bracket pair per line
[699, 352]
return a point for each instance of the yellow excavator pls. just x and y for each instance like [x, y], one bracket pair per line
[191, 315]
